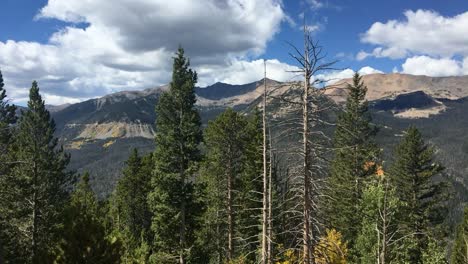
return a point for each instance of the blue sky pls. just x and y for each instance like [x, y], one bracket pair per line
[80, 49]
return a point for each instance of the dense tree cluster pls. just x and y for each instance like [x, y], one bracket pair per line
[222, 195]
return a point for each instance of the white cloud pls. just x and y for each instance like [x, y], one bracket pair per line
[335, 76]
[465, 66]
[393, 53]
[424, 65]
[242, 71]
[315, 4]
[368, 70]
[423, 32]
[362, 55]
[128, 44]
[430, 42]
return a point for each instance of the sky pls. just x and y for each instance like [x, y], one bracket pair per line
[82, 49]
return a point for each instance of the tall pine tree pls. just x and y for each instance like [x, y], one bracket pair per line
[230, 173]
[133, 217]
[7, 118]
[173, 199]
[225, 143]
[354, 151]
[413, 174]
[36, 187]
[251, 189]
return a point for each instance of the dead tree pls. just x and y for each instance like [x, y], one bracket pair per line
[265, 176]
[307, 103]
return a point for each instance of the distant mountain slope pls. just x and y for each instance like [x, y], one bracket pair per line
[222, 90]
[100, 133]
[390, 85]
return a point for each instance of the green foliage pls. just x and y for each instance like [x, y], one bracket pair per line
[232, 144]
[129, 203]
[379, 228]
[84, 238]
[35, 190]
[174, 199]
[250, 189]
[434, 253]
[355, 149]
[7, 118]
[412, 174]
[460, 245]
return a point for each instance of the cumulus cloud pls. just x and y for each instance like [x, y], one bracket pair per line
[335, 76]
[205, 27]
[128, 44]
[368, 70]
[243, 71]
[424, 65]
[422, 32]
[430, 42]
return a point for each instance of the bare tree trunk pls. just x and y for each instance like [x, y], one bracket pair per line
[270, 202]
[306, 205]
[182, 227]
[230, 251]
[182, 204]
[265, 179]
[34, 217]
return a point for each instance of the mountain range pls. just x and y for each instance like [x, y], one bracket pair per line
[100, 133]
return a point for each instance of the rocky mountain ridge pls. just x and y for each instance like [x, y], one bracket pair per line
[100, 133]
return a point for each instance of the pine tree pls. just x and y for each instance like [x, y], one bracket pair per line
[173, 199]
[412, 173]
[251, 188]
[7, 118]
[354, 149]
[36, 187]
[232, 164]
[130, 202]
[225, 142]
[460, 245]
[84, 236]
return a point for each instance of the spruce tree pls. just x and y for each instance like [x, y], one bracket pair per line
[232, 164]
[36, 187]
[251, 188]
[460, 245]
[83, 239]
[130, 202]
[225, 143]
[413, 174]
[173, 199]
[7, 118]
[355, 157]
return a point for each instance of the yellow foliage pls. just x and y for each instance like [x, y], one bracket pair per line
[331, 249]
[289, 256]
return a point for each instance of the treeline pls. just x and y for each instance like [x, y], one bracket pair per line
[228, 194]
